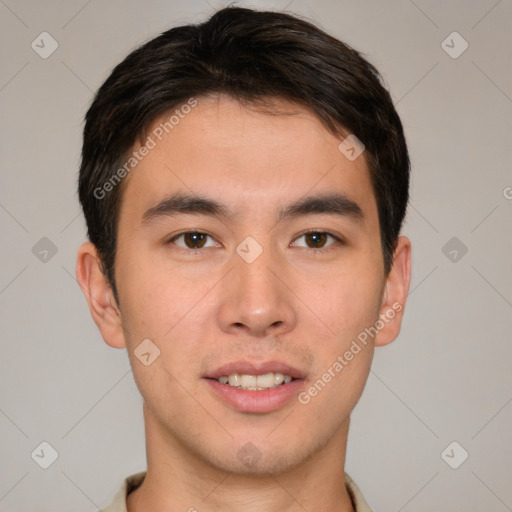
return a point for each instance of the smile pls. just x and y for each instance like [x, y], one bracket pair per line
[255, 382]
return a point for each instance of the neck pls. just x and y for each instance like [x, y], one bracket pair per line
[178, 480]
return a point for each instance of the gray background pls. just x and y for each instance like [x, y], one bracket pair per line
[447, 378]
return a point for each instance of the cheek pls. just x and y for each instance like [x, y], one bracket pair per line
[344, 356]
[153, 296]
[162, 310]
[343, 303]
[171, 311]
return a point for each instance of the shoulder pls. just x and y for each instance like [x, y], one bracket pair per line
[358, 500]
[130, 483]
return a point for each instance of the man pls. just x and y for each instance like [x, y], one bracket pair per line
[244, 183]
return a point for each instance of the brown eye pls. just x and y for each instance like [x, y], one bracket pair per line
[316, 240]
[191, 240]
[194, 240]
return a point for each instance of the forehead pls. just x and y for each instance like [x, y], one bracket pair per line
[250, 157]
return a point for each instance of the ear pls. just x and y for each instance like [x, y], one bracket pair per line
[99, 295]
[395, 294]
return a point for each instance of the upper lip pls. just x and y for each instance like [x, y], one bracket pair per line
[255, 368]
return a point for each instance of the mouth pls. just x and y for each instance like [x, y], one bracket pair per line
[247, 382]
[255, 388]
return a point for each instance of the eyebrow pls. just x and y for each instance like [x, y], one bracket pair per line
[333, 203]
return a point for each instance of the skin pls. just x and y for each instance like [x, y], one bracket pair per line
[211, 307]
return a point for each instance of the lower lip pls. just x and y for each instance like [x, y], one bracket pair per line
[259, 401]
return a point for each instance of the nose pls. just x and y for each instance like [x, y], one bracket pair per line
[256, 299]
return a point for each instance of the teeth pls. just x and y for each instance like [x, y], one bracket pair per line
[247, 381]
[234, 380]
[255, 382]
[265, 381]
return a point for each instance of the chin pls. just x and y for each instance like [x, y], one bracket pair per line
[261, 458]
[274, 464]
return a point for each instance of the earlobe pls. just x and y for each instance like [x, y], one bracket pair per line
[395, 294]
[99, 296]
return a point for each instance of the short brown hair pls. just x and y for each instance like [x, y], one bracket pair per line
[249, 55]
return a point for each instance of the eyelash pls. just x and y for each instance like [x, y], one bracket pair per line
[337, 241]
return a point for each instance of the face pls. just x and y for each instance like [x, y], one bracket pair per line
[249, 244]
